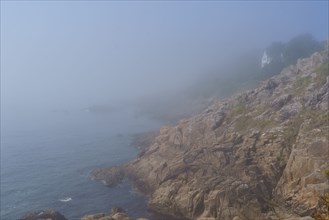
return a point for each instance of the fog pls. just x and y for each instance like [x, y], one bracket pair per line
[59, 56]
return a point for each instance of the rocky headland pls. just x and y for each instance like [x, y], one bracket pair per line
[262, 154]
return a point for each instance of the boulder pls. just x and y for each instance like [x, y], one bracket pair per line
[47, 214]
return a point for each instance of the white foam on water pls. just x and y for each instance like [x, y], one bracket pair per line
[67, 199]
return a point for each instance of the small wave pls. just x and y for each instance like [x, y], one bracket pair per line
[67, 199]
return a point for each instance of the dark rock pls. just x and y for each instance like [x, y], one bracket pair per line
[110, 176]
[289, 111]
[279, 102]
[98, 216]
[47, 214]
[271, 85]
[115, 210]
[116, 214]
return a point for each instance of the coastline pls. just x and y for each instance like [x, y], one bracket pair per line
[242, 153]
[241, 157]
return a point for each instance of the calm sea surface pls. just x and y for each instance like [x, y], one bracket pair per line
[46, 160]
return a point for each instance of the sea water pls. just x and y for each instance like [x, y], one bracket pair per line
[46, 160]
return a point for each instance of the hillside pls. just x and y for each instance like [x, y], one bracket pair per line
[262, 154]
[241, 72]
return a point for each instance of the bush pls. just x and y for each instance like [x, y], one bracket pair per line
[285, 54]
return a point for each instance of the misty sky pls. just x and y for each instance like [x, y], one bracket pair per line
[59, 54]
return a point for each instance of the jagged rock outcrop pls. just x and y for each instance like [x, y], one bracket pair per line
[258, 155]
[110, 177]
[47, 214]
[116, 214]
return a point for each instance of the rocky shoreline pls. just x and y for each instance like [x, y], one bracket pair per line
[258, 155]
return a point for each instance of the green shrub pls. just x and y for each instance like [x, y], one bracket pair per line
[326, 173]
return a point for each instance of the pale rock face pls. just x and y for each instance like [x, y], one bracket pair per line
[258, 155]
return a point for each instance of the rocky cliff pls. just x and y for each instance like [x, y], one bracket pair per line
[262, 154]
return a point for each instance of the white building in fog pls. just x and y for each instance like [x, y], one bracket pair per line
[265, 59]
